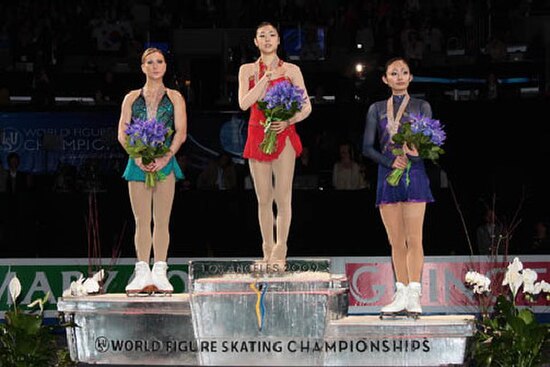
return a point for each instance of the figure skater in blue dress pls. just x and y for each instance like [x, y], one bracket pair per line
[402, 207]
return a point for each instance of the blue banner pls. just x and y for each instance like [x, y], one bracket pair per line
[47, 140]
[44, 140]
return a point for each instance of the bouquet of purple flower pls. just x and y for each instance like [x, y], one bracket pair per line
[423, 133]
[281, 102]
[146, 139]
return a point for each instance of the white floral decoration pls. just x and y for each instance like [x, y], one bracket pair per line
[84, 287]
[479, 282]
[529, 278]
[513, 277]
[14, 288]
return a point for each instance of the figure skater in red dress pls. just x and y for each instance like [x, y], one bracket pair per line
[272, 174]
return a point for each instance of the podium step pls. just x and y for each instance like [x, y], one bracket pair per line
[428, 341]
[256, 319]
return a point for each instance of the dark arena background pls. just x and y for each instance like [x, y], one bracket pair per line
[66, 65]
[67, 228]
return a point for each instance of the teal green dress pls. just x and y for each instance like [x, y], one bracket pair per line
[165, 113]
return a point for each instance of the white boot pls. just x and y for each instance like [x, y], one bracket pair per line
[267, 251]
[413, 305]
[142, 281]
[399, 303]
[277, 260]
[160, 280]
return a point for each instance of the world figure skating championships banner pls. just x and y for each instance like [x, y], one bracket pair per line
[370, 280]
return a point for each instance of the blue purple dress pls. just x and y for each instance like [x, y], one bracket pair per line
[165, 114]
[418, 190]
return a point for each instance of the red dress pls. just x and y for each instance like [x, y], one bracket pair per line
[256, 130]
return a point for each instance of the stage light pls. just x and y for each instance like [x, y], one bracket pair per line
[359, 46]
[359, 68]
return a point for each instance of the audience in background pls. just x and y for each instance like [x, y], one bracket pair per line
[347, 173]
[489, 233]
[64, 35]
[540, 243]
[3, 179]
[16, 180]
[220, 174]
[190, 173]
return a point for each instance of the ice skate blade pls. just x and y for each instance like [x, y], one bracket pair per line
[160, 293]
[147, 291]
[414, 315]
[393, 315]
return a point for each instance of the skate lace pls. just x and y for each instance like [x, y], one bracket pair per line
[415, 292]
[396, 294]
[160, 269]
[141, 271]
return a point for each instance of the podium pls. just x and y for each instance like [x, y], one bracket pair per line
[242, 313]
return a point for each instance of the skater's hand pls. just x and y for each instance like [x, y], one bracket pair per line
[161, 162]
[412, 151]
[279, 126]
[276, 73]
[400, 162]
[143, 167]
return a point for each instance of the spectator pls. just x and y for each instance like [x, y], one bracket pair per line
[4, 96]
[489, 234]
[3, 179]
[65, 178]
[306, 172]
[540, 242]
[347, 173]
[190, 173]
[107, 91]
[496, 49]
[42, 90]
[305, 163]
[220, 174]
[492, 91]
[17, 181]
[414, 49]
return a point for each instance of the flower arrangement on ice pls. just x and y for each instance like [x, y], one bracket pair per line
[85, 286]
[509, 336]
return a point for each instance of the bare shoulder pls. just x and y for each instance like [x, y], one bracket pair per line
[131, 96]
[174, 95]
[291, 67]
[247, 68]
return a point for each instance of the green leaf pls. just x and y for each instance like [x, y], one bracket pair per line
[527, 316]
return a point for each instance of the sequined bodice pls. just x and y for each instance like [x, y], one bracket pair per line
[165, 111]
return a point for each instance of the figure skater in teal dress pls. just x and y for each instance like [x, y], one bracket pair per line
[153, 204]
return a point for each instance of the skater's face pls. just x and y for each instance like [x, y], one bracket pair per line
[154, 66]
[267, 39]
[398, 76]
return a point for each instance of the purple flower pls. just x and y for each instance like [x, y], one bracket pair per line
[284, 94]
[428, 127]
[421, 132]
[149, 132]
[146, 139]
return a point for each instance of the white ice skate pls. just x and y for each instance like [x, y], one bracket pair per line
[277, 260]
[142, 283]
[160, 280]
[398, 306]
[414, 309]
